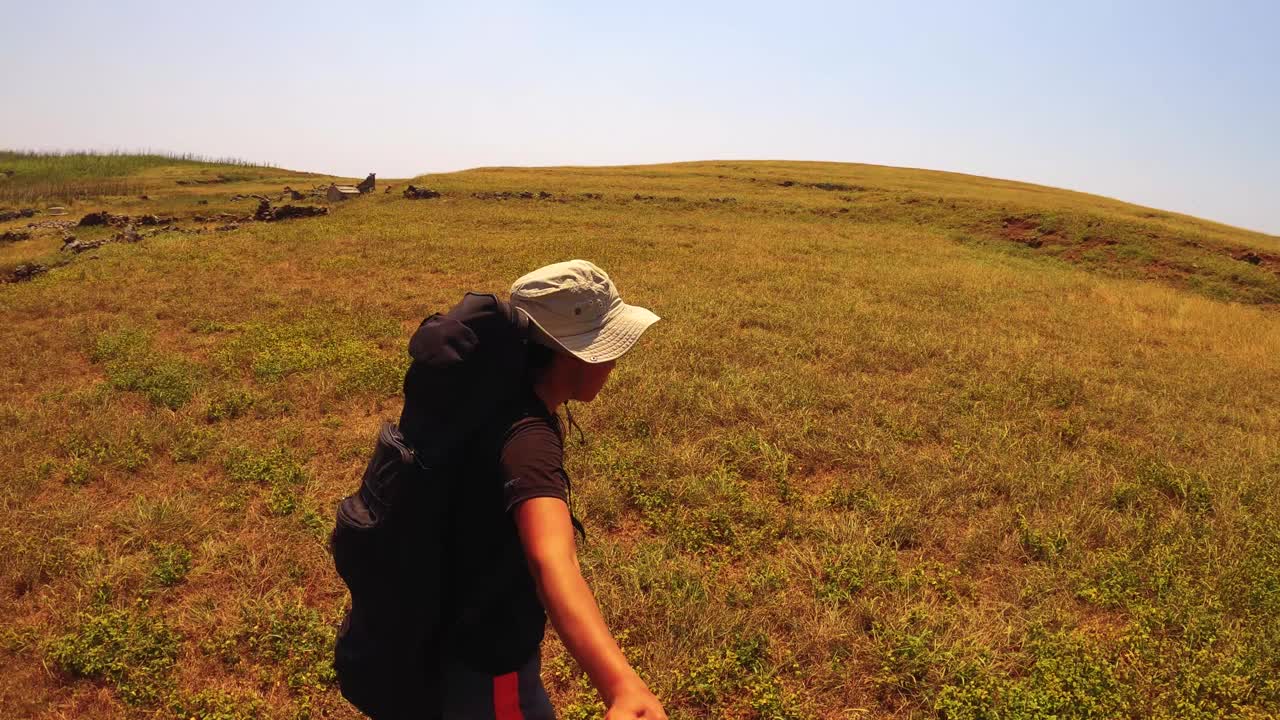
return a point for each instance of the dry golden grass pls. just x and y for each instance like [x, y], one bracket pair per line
[881, 458]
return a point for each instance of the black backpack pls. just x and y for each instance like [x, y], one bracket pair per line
[387, 542]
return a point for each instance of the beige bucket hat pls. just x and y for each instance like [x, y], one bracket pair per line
[574, 307]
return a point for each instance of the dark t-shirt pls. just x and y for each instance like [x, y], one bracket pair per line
[492, 617]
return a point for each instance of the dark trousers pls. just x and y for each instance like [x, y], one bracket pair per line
[473, 695]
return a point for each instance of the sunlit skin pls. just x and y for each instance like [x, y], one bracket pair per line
[546, 533]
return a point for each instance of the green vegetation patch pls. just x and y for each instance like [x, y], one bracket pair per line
[1069, 679]
[30, 176]
[275, 469]
[739, 680]
[291, 641]
[170, 563]
[345, 345]
[214, 704]
[166, 379]
[129, 649]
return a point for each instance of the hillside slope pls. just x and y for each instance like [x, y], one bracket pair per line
[905, 443]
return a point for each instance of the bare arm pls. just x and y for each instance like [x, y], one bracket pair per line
[547, 536]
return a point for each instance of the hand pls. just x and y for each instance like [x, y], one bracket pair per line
[636, 703]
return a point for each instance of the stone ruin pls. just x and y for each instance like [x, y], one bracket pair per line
[415, 193]
[366, 185]
[266, 213]
[102, 217]
[26, 271]
[15, 214]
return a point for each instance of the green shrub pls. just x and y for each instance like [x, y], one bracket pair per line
[131, 651]
[217, 705]
[79, 472]
[724, 671]
[1188, 489]
[166, 380]
[294, 639]
[191, 443]
[1040, 545]
[281, 501]
[171, 563]
[273, 468]
[229, 404]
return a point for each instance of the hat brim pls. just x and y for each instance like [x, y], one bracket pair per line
[620, 330]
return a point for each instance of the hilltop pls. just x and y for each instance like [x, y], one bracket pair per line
[905, 443]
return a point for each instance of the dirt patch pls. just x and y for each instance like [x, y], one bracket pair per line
[1077, 251]
[1263, 260]
[1021, 230]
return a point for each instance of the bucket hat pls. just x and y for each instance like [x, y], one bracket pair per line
[573, 306]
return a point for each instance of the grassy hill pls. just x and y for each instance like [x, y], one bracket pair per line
[905, 444]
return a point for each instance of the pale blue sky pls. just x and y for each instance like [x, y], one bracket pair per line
[1170, 104]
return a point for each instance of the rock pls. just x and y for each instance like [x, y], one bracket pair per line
[15, 214]
[26, 271]
[414, 193]
[68, 239]
[295, 195]
[129, 234]
[1250, 257]
[227, 227]
[102, 217]
[152, 220]
[202, 202]
[263, 213]
[144, 197]
[288, 212]
[367, 184]
[14, 236]
[79, 246]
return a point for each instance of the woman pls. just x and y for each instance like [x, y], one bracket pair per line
[513, 561]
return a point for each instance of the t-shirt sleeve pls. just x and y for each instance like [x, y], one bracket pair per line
[532, 463]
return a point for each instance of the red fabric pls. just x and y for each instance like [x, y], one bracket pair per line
[506, 697]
